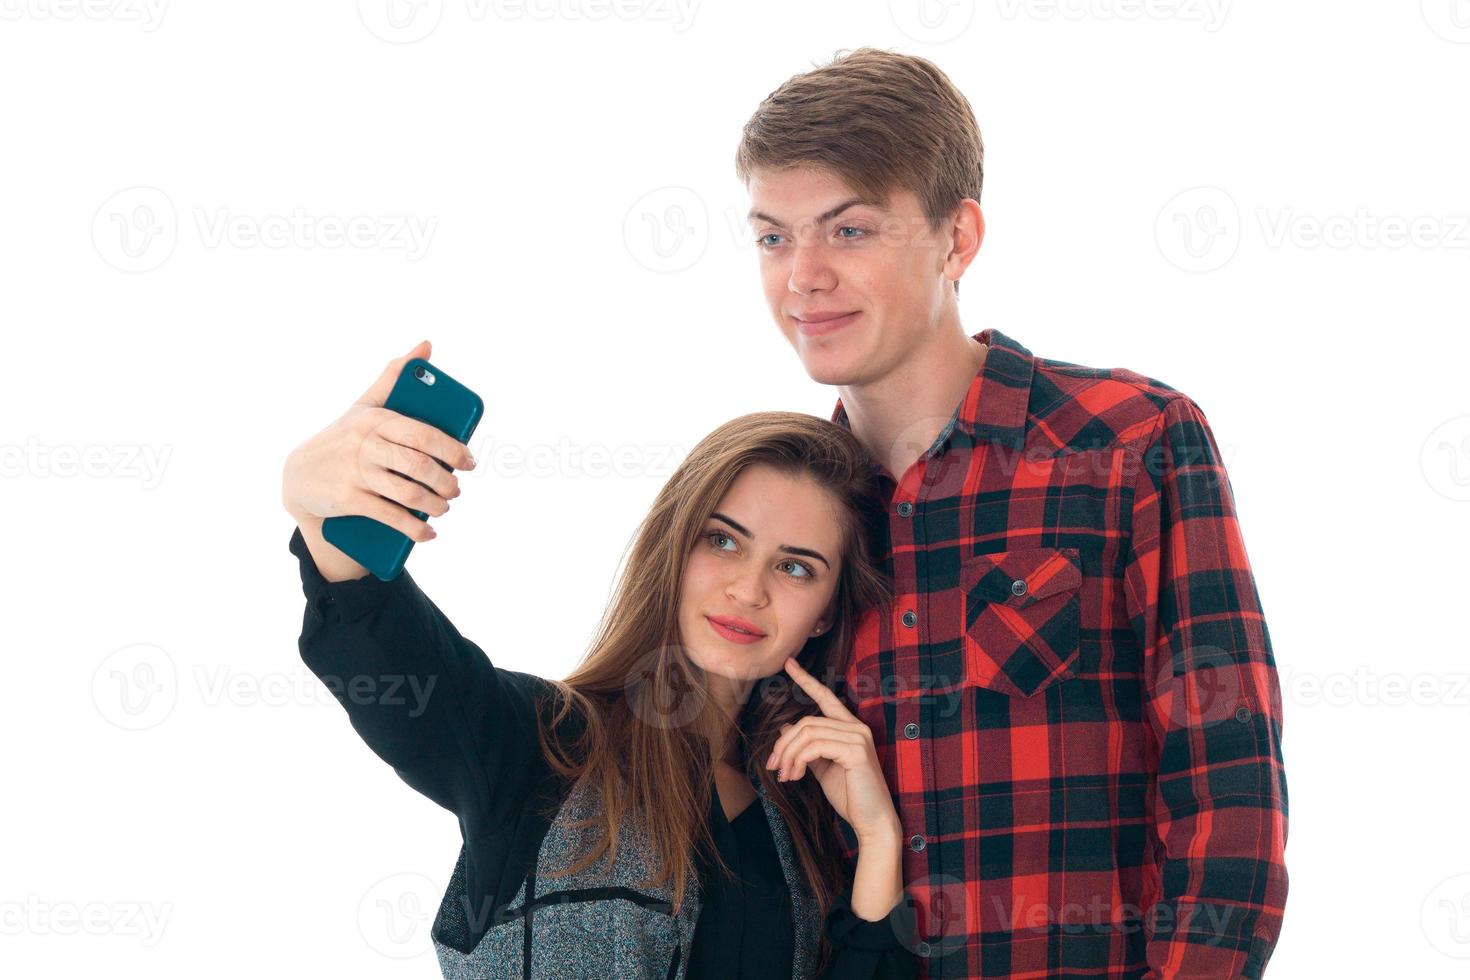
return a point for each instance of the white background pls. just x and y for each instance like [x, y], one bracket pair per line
[1212, 194]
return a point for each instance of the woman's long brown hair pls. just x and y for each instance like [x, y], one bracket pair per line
[660, 761]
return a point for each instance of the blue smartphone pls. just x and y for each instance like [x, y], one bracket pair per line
[425, 393]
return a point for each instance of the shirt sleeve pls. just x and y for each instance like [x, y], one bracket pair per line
[426, 700]
[870, 950]
[1212, 704]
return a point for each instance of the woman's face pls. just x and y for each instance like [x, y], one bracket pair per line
[769, 558]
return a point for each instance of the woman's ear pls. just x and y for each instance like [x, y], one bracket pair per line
[825, 621]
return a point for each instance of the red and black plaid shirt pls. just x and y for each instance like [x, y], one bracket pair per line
[1073, 693]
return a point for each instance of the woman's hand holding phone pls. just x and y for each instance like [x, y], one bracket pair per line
[352, 465]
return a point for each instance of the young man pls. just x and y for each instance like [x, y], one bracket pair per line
[1073, 694]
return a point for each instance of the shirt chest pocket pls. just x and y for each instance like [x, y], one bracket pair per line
[1022, 618]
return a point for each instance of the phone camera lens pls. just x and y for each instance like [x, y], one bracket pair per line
[418, 372]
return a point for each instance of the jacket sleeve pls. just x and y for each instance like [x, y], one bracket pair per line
[871, 950]
[426, 700]
[1212, 705]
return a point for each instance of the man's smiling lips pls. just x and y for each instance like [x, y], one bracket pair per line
[816, 324]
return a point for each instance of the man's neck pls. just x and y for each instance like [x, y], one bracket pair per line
[897, 417]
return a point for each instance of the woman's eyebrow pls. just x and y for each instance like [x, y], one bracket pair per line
[791, 549]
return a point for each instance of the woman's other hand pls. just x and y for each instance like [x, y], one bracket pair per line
[838, 750]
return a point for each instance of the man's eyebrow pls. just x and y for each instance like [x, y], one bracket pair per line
[824, 216]
[809, 553]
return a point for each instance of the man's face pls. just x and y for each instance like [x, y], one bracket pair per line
[743, 567]
[881, 263]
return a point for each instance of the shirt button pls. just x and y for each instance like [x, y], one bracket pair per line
[1018, 587]
[909, 619]
[922, 948]
[905, 508]
[1242, 714]
[916, 842]
[910, 730]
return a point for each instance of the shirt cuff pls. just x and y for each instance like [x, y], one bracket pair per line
[337, 602]
[894, 931]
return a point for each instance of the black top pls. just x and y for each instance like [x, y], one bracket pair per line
[382, 648]
[744, 927]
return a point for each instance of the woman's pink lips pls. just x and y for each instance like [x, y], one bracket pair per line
[731, 635]
[825, 326]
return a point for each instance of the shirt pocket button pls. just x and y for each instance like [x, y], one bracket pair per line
[1022, 618]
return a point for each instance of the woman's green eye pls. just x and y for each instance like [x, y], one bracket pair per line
[806, 569]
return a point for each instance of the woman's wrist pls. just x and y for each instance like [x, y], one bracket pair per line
[888, 834]
[877, 884]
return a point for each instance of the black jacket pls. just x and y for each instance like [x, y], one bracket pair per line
[463, 733]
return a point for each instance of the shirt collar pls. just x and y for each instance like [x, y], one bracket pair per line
[994, 406]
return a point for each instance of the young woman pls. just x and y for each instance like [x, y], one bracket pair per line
[669, 809]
